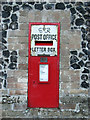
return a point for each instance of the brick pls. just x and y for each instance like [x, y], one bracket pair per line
[21, 92]
[65, 36]
[75, 78]
[31, 16]
[0, 113]
[0, 93]
[11, 92]
[67, 106]
[17, 46]
[22, 86]
[17, 40]
[14, 46]
[19, 106]
[22, 19]
[10, 73]
[18, 33]
[23, 40]
[23, 66]
[64, 76]
[51, 1]
[65, 85]
[73, 46]
[0, 28]
[13, 40]
[0, 53]
[24, 26]
[66, 114]
[71, 73]
[17, 73]
[60, 16]
[76, 35]
[34, 112]
[23, 53]
[47, 17]
[78, 91]
[12, 114]
[75, 85]
[64, 62]
[11, 47]
[24, 46]
[74, 40]
[23, 60]
[4, 92]
[18, 0]
[65, 92]
[65, 16]
[11, 85]
[89, 93]
[4, 114]
[7, 106]
[64, 50]
[11, 79]
[0, 106]
[53, 113]
[44, 113]
[23, 79]
[23, 13]
[65, 26]
[73, 99]
[56, 16]
[38, 16]
[1, 99]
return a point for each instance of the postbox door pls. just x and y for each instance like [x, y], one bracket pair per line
[43, 75]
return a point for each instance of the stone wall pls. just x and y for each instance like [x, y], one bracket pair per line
[74, 19]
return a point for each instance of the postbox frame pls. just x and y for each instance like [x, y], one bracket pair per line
[29, 55]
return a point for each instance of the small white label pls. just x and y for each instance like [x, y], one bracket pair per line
[43, 73]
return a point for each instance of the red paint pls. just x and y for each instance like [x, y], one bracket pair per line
[45, 95]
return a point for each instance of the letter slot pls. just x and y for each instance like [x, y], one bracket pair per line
[43, 43]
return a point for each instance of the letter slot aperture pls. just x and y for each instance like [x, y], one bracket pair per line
[43, 43]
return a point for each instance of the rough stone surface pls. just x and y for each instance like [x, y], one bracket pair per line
[6, 20]
[75, 66]
[6, 53]
[73, 11]
[81, 9]
[13, 25]
[60, 6]
[39, 6]
[26, 7]
[7, 8]
[15, 8]
[49, 6]
[84, 77]
[73, 59]
[79, 22]
[5, 14]
[14, 17]
[12, 66]
[5, 27]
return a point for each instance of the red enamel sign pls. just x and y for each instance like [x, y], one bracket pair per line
[43, 65]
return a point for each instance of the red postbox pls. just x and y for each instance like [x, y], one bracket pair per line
[43, 65]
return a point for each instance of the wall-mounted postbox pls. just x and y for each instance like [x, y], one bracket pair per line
[43, 65]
